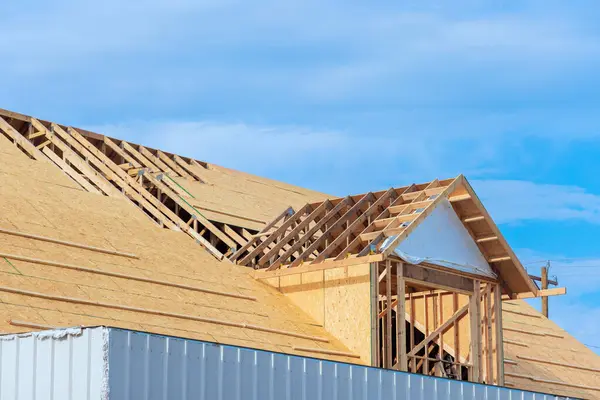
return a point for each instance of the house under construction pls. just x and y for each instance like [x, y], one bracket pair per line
[149, 253]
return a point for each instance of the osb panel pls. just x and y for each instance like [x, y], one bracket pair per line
[563, 349]
[347, 307]
[241, 199]
[338, 299]
[38, 198]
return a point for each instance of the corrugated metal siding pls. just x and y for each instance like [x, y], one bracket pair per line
[145, 366]
[59, 365]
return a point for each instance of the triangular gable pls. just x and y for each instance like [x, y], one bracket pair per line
[352, 230]
[442, 239]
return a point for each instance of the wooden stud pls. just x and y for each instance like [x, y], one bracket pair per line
[172, 164]
[67, 169]
[321, 209]
[456, 333]
[388, 317]
[19, 139]
[401, 358]
[412, 332]
[499, 335]
[308, 235]
[374, 315]
[475, 323]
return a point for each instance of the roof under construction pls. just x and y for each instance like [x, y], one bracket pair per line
[99, 231]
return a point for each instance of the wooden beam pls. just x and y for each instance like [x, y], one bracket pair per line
[67, 169]
[402, 360]
[278, 232]
[540, 293]
[188, 168]
[388, 318]
[374, 273]
[358, 222]
[190, 209]
[294, 232]
[474, 218]
[545, 312]
[172, 164]
[137, 155]
[539, 279]
[489, 359]
[267, 228]
[77, 161]
[309, 267]
[234, 235]
[156, 161]
[499, 335]
[474, 307]
[332, 228]
[443, 328]
[494, 229]
[436, 279]
[126, 157]
[308, 235]
[462, 197]
[111, 170]
[385, 213]
[499, 259]
[486, 239]
[19, 139]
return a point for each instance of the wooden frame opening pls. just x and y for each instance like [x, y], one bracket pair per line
[451, 329]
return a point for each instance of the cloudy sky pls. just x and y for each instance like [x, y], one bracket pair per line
[347, 97]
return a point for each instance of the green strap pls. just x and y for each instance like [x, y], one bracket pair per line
[181, 187]
[11, 264]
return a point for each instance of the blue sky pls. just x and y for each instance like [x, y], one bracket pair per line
[347, 97]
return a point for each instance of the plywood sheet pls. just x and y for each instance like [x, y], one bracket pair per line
[338, 299]
[38, 198]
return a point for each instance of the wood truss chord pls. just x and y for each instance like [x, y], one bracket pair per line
[120, 169]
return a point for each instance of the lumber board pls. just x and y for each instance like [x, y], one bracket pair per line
[21, 141]
[70, 171]
[172, 164]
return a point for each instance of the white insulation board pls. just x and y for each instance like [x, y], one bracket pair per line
[442, 239]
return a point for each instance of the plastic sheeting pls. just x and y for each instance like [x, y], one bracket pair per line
[442, 239]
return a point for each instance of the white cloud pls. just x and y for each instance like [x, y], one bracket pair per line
[512, 201]
[332, 161]
[308, 50]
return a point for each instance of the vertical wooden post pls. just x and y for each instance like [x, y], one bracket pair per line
[426, 310]
[374, 315]
[413, 361]
[475, 325]
[441, 321]
[456, 335]
[388, 315]
[489, 375]
[499, 337]
[545, 286]
[434, 299]
[401, 319]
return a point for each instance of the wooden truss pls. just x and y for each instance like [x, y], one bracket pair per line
[452, 329]
[115, 168]
[325, 234]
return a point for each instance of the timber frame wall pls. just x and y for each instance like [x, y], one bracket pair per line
[423, 318]
[117, 168]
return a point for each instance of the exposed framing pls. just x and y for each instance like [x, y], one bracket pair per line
[432, 346]
[111, 167]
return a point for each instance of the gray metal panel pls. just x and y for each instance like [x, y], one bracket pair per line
[63, 364]
[145, 366]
